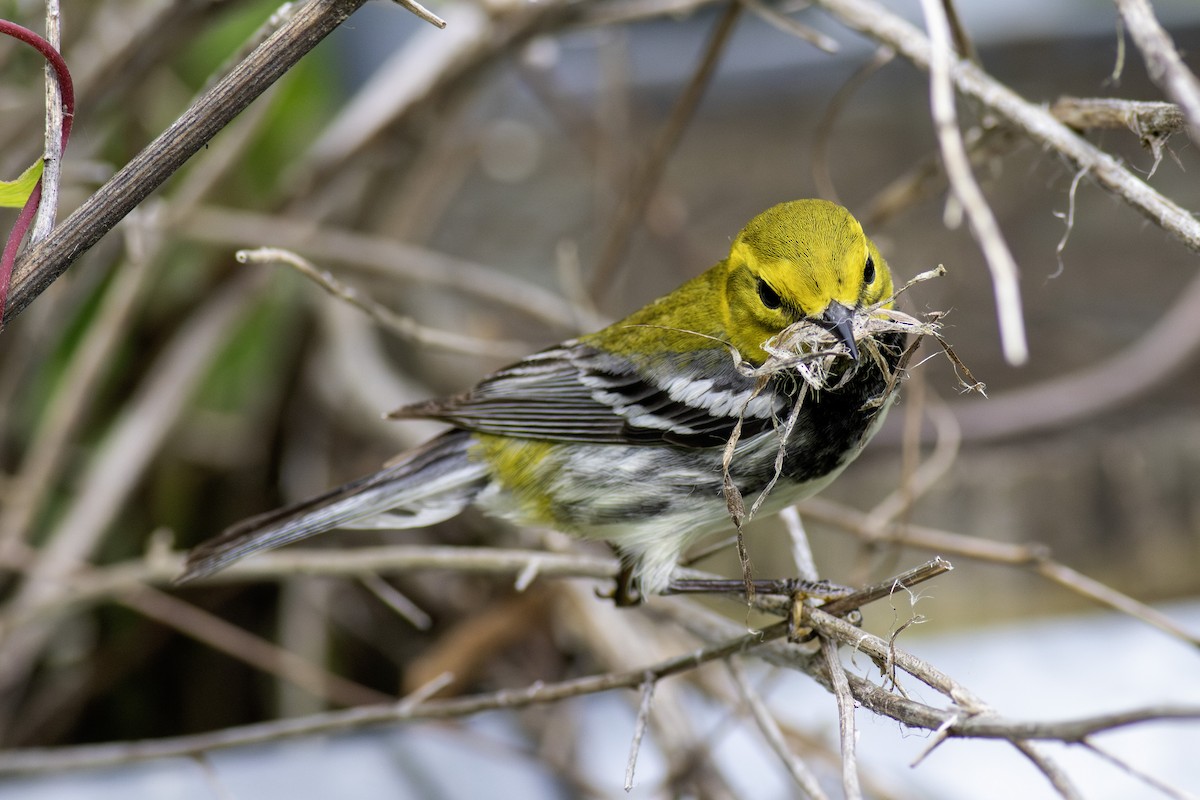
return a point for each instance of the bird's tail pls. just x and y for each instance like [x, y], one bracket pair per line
[426, 485]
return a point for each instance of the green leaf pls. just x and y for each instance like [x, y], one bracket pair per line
[13, 194]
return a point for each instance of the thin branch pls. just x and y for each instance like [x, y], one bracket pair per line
[99, 584]
[639, 730]
[879, 23]
[806, 565]
[845, 705]
[1163, 63]
[769, 726]
[1143, 776]
[1157, 357]
[971, 719]
[823, 134]
[633, 205]
[394, 599]
[781, 21]
[1032, 556]
[397, 324]
[926, 475]
[1054, 773]
[52, 171]
[1146, 119]
[48, 449]
[423, 13]
[376, 256]
[253, 650]
[9, 270]
[48, 259]
[119, 461]
[878, 591]
[958, 170]
[839, 630]
[963, 45]
[87, 756]
[1068, 219]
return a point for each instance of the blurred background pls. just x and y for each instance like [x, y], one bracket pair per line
[511, 179]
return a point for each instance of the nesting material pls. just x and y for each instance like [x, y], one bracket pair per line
[808, 350]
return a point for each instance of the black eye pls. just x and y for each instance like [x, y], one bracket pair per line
[869, 272]
[769, 297]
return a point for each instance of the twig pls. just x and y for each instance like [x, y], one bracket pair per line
[639, 730]
[879, 23]
[259, 653]
[823, 133]
[1032, 556]
[1149, 120]
[839, 630]
[423, 13]
[780, 21]
[806, 565]
[876, 591]
[118, 461]
[632, 206]
[1106, 595]
[1163, 63]
[926, 475]
[1074, 730]
[51, 759]
[1145, 777]
[48, 449]
[48, 259]
[972, 718]
[1155, 358]
[397, 324]
[958, 171]
[377, 256]
[9, 270]
[102, 583]
[845, 705]
[392, 597]
[963, 45]
[52, 171]
[769, 727]
[1057, 777]
[426, 66]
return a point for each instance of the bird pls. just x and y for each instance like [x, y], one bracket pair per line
[621, 435]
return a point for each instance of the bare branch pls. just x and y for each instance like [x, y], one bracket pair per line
[639, 730]
[877, 22]
[397, 324]
[646, 182]
[801, 774]
[1057, 777]
[1146, 119]
[845, 705]
[958, 171]
[1163, 63]
[41, 760]
[1155, 358]
[376, 256]
[1033, 556]
[48, 259]
[52, 171]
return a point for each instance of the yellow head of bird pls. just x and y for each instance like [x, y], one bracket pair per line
[805, 259]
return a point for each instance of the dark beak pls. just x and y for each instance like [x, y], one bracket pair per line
[839, 321]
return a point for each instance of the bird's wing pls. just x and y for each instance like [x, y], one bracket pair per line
[574, 392]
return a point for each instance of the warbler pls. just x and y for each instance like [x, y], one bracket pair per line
[621, 434]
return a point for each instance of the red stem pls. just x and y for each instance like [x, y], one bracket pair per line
[67, 91]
